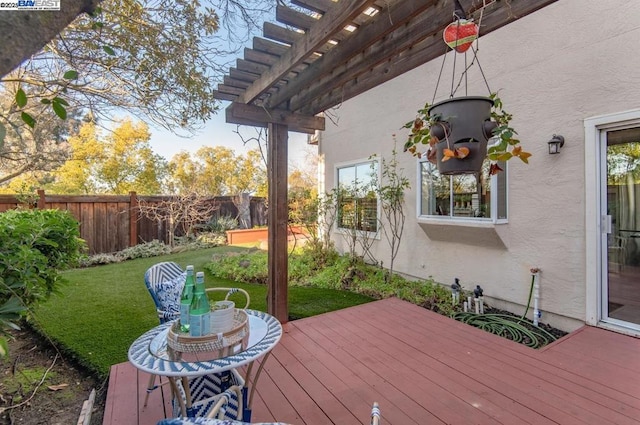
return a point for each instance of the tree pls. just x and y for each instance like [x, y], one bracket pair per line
[218, 170]
[78, 174]
[36, 149]
[158, 60]
[153, 58]
[184, 211]
[390, 190]
[304, 201]
[128, 163]
[121, 162]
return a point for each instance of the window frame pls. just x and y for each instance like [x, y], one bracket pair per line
[355, 164]
[476, 221]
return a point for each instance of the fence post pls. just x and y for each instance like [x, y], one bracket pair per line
[133, 219]
[41, 199]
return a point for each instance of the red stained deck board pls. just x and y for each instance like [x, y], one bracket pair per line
[315, 388]
[305, 406]
[121, 396]
[433, 372]
[552, 391]
[278, 403]
[453, 368]
[330, 368]
[399, 379]
[260, 410]
[364, 389]
[334, 377]
[608, 351]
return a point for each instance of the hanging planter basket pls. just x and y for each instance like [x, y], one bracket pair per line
[457, 130]
[467, 125]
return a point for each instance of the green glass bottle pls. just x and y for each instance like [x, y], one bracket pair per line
[185, 299]
[199, 310]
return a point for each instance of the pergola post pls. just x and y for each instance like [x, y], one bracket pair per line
[277, 216]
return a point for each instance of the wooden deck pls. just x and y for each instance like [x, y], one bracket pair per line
[424, 369]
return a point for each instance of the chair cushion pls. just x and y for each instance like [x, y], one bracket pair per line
[168, 295]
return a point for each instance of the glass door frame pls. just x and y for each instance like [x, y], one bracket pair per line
[597, 224]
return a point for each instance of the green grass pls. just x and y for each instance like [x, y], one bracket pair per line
[102, 310]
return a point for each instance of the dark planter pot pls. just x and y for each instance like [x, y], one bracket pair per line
[468, 121]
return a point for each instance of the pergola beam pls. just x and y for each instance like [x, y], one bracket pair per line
[325, 69]
[333, 21]
[396, 61]
[240, 113]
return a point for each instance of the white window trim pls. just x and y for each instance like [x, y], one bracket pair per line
[594, 204]
[353, 163]
[489, 222]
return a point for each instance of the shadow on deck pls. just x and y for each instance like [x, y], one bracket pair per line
[422, 368]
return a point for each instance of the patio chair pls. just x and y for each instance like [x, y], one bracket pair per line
[164, 281]
[217, 395]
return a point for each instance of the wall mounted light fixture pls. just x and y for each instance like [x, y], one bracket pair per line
[555, 144]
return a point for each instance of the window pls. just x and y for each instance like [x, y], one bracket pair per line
[469, 196]
[357, 200]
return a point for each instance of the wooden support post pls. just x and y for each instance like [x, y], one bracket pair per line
[133, 219]
[277, 217]
[42, 200]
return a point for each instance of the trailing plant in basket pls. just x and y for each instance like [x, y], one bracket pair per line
[430, 129]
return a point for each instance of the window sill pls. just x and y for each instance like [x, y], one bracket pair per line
[468, 232]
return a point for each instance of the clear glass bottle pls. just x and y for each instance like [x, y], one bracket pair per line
[200, 309]
[186, 298]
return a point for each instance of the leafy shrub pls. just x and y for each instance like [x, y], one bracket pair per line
[329, 270]
[222, 224]
[145, 250]
[250, 267]
[35, 245]
[202, 241]
[99, 259]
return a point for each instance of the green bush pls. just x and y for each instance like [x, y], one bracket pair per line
[35, 245]
[99, 260]
[222, 224]
[313, 266]
[249, 267]
[145, 250]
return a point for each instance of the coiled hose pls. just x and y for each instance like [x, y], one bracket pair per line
[510, 327]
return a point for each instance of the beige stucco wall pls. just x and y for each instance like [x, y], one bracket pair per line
[569, 61]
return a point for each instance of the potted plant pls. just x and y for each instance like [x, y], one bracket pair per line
[456, 132]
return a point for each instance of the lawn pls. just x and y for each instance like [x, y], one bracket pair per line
[102, 310]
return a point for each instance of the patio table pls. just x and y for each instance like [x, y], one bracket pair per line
[150, 353]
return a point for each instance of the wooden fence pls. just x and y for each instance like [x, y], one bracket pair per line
[110, 223]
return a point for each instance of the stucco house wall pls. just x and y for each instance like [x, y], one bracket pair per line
[555, 68]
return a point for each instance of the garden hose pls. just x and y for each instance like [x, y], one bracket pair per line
[507, 326]
[533, 279]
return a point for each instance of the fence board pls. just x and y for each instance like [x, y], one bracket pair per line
[87, 228]
[106, 220]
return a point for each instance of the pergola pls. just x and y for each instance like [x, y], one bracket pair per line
[324, 54]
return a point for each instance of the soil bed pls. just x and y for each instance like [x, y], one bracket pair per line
[38, 386]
